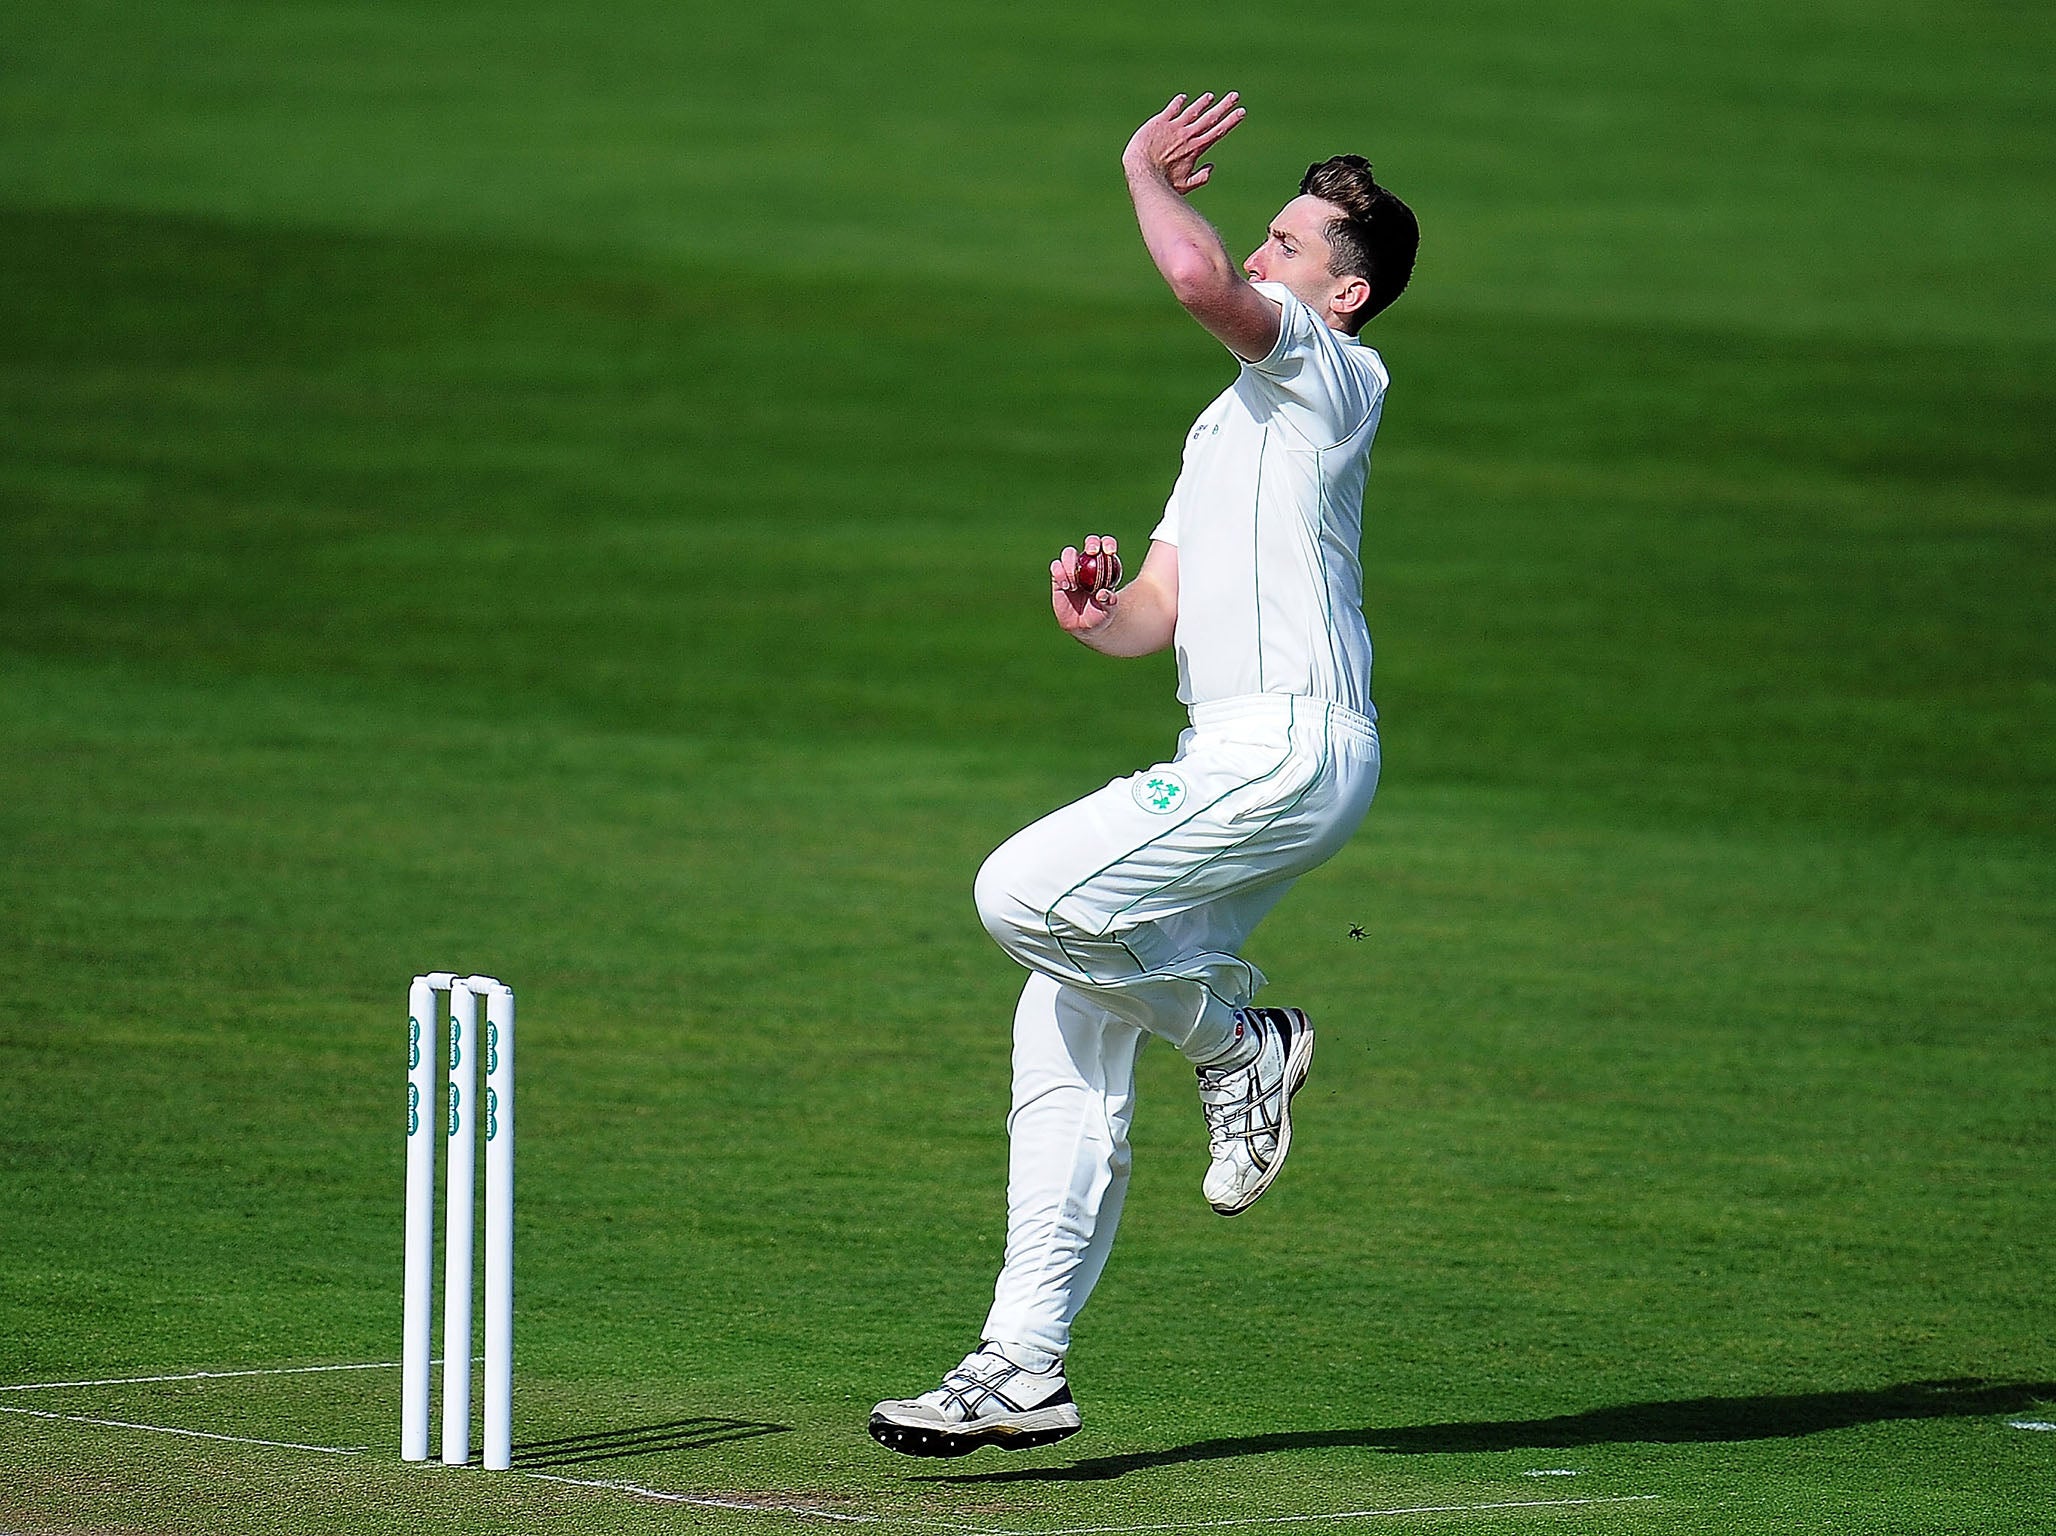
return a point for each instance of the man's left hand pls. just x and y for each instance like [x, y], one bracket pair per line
[1171, 143]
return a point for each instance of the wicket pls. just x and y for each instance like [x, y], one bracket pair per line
[458, 1199]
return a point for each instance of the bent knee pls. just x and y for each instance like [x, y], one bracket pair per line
[1007, 914]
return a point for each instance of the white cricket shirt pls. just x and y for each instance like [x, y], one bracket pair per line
[1267, 515]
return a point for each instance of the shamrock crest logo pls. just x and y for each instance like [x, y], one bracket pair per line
[1161, 792]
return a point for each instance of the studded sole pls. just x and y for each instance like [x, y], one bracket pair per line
[920, 1440]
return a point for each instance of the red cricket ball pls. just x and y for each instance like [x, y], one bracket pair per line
[1100, 570]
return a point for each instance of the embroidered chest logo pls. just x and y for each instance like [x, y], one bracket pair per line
[1160, 792]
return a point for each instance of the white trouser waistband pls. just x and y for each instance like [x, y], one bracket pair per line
[1283, 710]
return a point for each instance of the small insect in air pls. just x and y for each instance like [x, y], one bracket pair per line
[1356, 930]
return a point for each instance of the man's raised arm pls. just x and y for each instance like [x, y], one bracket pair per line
[1163, 166]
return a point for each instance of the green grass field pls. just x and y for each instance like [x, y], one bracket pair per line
[566, 494]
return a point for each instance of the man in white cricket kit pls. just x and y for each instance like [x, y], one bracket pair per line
[1129, 908]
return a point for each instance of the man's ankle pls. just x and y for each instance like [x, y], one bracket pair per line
[1037, 1362]
[1243, 1047]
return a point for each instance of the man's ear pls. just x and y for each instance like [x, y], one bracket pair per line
[1351, 294]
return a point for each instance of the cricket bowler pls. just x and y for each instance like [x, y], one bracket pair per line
[1129, 908]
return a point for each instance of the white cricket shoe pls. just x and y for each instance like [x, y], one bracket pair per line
[987, 1400]
[1249, 1108]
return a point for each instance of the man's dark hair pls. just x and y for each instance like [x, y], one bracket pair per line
[1376, 237]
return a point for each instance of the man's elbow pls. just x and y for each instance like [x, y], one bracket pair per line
[1155, 616]
[1198, 280]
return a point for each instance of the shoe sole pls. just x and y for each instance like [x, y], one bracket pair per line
[1299, 1059]
[1020, 1433]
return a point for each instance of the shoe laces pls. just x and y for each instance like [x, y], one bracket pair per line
[1237, 1102]
[983, 1367]
[975, 1382]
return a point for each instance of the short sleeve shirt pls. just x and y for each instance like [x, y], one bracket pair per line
[1267, 516]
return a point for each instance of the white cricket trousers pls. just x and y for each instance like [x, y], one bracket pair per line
[1128, 907]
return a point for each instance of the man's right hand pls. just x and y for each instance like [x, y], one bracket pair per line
[1140, 618]
[1080, 608]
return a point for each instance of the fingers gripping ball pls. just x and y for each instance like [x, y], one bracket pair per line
[1098, 569]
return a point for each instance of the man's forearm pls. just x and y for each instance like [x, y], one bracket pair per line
[1187, 250]
[1141, 623]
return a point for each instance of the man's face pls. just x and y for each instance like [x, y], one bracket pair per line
[1296, 253]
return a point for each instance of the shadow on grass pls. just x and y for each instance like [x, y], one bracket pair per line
[1684, 1421]
[640, 1440]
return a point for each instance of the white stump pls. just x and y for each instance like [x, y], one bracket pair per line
[459, 1219]
[499, 1224]
[422, 1124]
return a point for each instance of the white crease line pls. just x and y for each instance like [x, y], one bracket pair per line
[191, 1434]
[704, 1501]
[707, 1502]
[1343, 1514]
[137, 1381]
